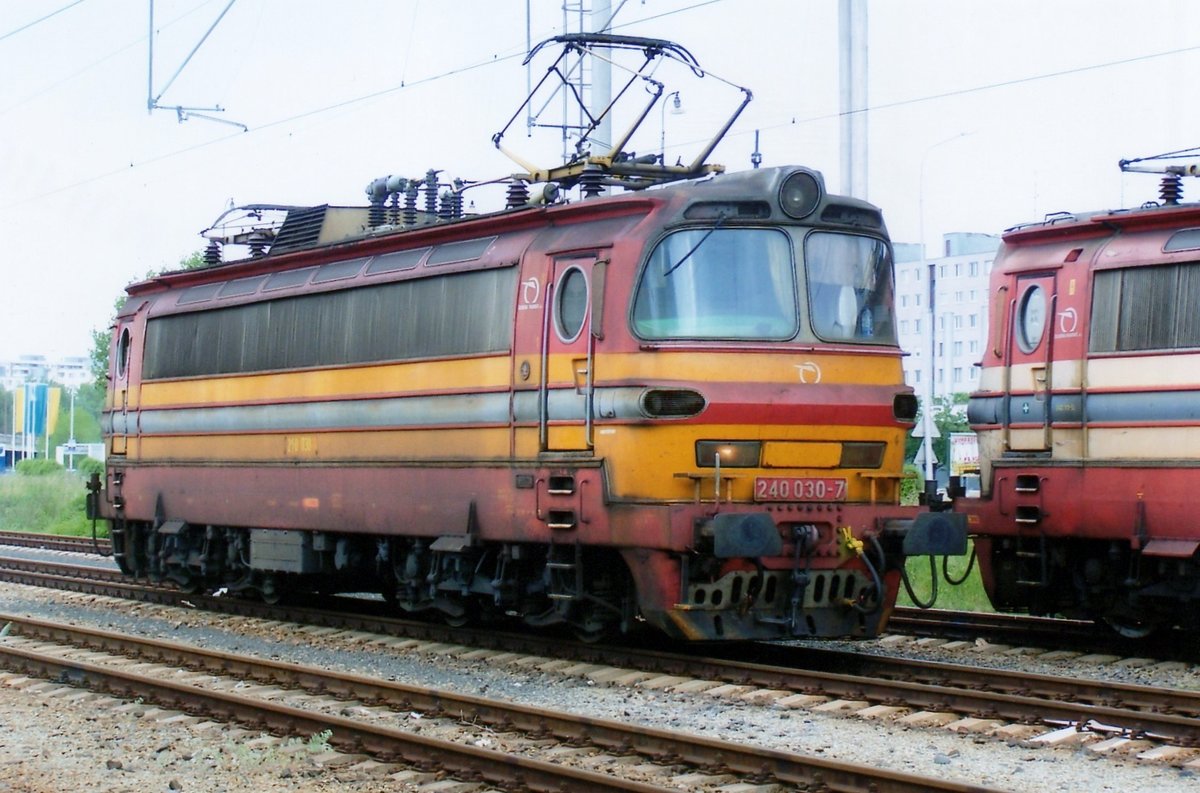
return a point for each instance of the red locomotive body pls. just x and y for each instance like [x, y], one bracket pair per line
[1088, 419]
[683, 406]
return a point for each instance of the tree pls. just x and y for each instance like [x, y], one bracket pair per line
[87, 412]
[102, 339]
[949, 415]
[89, 399]
[100, 344]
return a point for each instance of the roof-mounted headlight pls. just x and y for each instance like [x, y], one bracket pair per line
[799, 194]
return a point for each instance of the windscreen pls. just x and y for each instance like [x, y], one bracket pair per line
[718, 284]
[850, 294]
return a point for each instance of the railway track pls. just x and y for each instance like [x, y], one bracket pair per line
[541, 749]
[1053, 633]
[934, 623]
[978, 699]
[56, 542]
[997, 628]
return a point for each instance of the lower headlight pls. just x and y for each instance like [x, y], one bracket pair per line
[862, 455]
[734, 454]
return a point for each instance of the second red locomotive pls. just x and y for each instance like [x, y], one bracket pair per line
[1088, 418]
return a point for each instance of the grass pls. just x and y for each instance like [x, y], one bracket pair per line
[967, 596]
[51, 504]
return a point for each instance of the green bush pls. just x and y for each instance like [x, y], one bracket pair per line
[88, 466]
[912, 485]
[53, 503]
[38, 467]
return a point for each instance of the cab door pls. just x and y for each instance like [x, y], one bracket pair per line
[125, 387]
[1029, 363]
[565, 403]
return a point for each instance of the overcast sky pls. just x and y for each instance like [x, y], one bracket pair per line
[982, 115]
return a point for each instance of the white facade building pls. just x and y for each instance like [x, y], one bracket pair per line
[960, 311]
[70, 372]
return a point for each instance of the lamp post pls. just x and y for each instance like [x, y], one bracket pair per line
[931, 368]
[677, 109]
[71, 440]
[30, 422]
[12, 450]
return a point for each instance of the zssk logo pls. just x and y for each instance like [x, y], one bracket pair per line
[531, 291]
[810, 373]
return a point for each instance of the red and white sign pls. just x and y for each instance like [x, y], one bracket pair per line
[964, 454]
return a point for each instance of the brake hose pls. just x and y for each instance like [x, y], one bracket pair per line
[933, 577]
[946, 569]
[874, 577]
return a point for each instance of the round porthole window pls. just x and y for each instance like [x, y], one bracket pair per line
[1031, 319]
[570, 304]
[123, 352]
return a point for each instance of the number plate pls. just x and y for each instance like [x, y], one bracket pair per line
[780, 488]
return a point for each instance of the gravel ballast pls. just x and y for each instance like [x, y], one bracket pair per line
[59, 742]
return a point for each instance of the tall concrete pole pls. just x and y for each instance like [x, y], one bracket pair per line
[602, 16]
[852, 71]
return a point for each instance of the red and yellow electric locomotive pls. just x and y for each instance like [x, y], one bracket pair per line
[1088, 418]
[682, 406]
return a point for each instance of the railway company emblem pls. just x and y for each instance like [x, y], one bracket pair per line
[810, 373]
[1068, 321]
[531, 292]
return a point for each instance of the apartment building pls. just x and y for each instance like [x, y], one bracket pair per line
[957, 314]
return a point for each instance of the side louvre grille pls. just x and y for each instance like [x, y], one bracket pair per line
[301, 229]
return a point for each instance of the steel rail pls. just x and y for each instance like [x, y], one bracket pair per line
[1127, 696]
[662, 746]
[1043, 632]
[1023, 628]
[1054, 701]
[55, 542]
[385, 743]
[964, 697]
[941, 623]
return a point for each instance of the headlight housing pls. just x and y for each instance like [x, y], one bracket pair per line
[904, 407]
[734, 454]
[799, 194]
[672, 403]
[858, 454]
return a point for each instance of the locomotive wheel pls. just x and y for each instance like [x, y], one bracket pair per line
[593, 635]
[189, 586]
[1129, 626]
[462, 618]
[456, 620]
[271, 590]
[596, 625]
